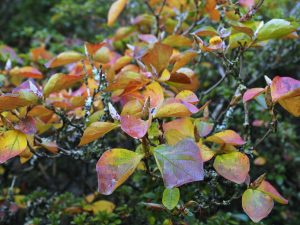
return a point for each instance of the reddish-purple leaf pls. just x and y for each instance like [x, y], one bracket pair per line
[179, 164]
[134, 126]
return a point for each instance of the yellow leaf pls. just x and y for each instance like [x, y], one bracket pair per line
[12, 143]
[115, 10]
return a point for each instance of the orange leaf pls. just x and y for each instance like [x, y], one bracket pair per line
[26, 71]
[95, 131]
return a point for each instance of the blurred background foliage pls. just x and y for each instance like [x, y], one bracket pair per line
[50, 190]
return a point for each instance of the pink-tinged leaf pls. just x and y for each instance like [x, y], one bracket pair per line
[29, 86]
[26, 71]
[158, 57]
[59, 81]
[64, 58]
[203, 127]
[149, 38]
[114, 167]
[252, 93]
[282, 86]
[247, 3]
[226, 137]
[256, 204]
[95, 131]
[156, 94]
[179, 164]
[115, 10]
[233, 166]
[267, 188]
[187, 96]
[134, 126]
[13, 142]
[26, 126]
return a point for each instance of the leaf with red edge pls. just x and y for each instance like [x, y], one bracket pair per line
[156, 94]
[115, 10]
[267, 188]
[27, 71]
[158, 57]
[95, 131]
[252, 93]
[13, 142]
[134, 126]
[234, 166]
[26, 125]
[226, 137]
[114, 167]
[257, 204]
[179, 164]
[64, 58]
[59, 81]
[282, 86]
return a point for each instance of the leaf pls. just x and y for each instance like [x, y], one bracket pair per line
[29, 86]
[95, 131]
[115, 10]
[226, 137]
[156, 94]
[26, 125]
[171, 108]
[286, 91]
[16, 100]
[101, 206]
[179, 164]
[64, 58]
[176, 40]
[158, 57]
[252, 93]
[187, 96]
[134, 126]
[178, 129]
[233, 166]
[276, 28]
[206, 152]
[13, 142]
[59, 81]
[282, 86]
[26, 71]
[114, 167]
[184, 59]
[204, 128]
[171, 198]
[206, 31]
[256, 204]
[267, 188]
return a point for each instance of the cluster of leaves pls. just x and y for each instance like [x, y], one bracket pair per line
[149, 90]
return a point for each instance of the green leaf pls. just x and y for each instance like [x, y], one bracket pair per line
[276, 28]
[170, 198]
